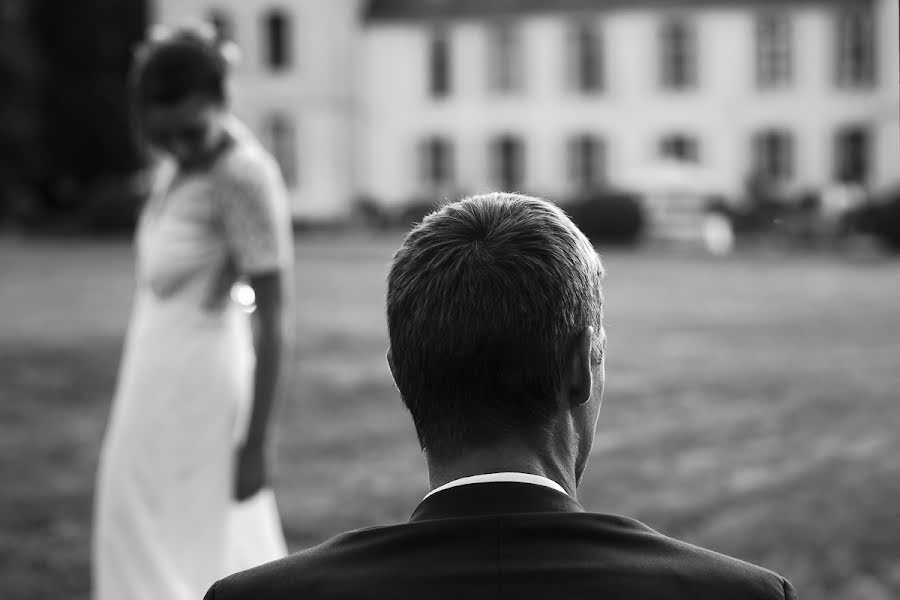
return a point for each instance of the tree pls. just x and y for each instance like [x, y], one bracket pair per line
[20, 158]
[85, 48]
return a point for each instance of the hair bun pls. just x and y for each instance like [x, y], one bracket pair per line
[179, 60]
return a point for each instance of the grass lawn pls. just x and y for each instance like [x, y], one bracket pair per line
[752, 407]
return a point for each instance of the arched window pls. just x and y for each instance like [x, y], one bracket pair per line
[586, 161]
[277, 39]
[281, 139]
[222, 23]
[508, 159]
[773, 152]
[680, 147]
[437, 162]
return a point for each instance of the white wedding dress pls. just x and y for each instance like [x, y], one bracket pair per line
[166, 526]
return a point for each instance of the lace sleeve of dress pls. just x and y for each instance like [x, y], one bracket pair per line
[254, 211]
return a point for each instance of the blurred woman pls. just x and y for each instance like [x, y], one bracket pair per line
[186, 445]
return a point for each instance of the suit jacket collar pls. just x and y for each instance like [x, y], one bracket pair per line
[499, 498]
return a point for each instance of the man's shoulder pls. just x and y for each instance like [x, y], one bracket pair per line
[579, 551]
[301, 574]
[689, 565]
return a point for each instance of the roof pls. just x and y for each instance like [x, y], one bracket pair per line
[394, 10]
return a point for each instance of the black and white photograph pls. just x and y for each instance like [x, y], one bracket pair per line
[449, 299]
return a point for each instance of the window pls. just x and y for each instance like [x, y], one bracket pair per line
[437, 162]
[679, 55]
[281, 140]
[586, 57]
[851, 154]
[586, 161]
[505, 58]
[855, 48]
[439, 63]
[508, 154]
[222, 23]
[773, 152]
[773, 51]
[680, 147]
[278, 41]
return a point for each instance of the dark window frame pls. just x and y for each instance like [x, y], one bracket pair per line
[775, 155]
[440, 62]
[437, 161]
[586, 55]
[508, 160]
[680, 146]
[278, 34]
[506, 69]
[853, 153]
[774, 51]
[856, 48]
[679, 56]
[587, 161]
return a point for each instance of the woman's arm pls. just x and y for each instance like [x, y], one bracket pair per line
[274, 345]
[256, 219]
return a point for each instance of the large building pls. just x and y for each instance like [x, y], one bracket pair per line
[404, 100]
[550, 96]
[295, 87]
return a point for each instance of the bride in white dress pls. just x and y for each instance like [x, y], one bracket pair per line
[182, 493]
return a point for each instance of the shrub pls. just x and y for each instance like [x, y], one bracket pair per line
[889, 224]
[880, 218]
[608, 216]
[112, 204]
[371, 213]
[413, 212]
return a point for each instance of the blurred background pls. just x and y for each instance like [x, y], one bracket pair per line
[735, 161]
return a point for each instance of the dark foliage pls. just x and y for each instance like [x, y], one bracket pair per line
[415, 211]
[770, 213]
[375, 214]
[880, 217]
[370, 214]
[608, 216]
[82, 54]
[20, 158]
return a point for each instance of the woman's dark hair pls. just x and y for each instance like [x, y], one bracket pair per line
[178, 64]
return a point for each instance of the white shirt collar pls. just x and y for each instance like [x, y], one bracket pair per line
[496, 477]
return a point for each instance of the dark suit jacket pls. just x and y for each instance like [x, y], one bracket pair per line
[505, 540]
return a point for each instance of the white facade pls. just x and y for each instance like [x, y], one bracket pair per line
[349, 111]
[301, 108]
[632, 113]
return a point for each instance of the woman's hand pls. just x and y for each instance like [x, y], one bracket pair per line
[272, 348]
[250, 471]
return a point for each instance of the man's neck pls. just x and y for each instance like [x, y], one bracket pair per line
[509, 457]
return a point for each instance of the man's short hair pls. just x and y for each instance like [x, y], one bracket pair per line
[485, 300]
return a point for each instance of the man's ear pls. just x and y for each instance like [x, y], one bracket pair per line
[390, 361]
[580, 374]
